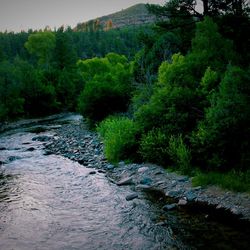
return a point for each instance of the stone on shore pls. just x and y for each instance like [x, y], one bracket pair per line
[125, 181]
[131, 197]
[169, 207]
[182, 202]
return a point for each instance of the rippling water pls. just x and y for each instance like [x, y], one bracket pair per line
[50, 202]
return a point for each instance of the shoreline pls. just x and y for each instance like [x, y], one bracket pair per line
[76, 142]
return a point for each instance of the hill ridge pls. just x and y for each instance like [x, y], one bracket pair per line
[132, 16]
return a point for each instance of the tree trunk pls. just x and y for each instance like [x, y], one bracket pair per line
[205, 7]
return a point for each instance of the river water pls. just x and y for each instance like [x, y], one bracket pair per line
[50, 202]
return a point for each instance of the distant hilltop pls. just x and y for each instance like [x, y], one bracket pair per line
[132, 16]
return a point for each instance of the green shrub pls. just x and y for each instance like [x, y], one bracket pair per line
[107, 86]
[179, 154]
[101, 98]
[154, 147]
[119, 137]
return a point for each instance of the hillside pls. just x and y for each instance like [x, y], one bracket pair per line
[132, 16]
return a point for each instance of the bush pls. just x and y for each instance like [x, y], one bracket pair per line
[154, 147]
[101, 98]
[120, 138]
[180, 154]
[107, 86]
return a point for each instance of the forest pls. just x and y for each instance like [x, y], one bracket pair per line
[175, 93]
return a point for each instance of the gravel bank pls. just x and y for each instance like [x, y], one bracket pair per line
[77, 143]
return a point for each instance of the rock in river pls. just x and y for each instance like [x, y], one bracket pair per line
[42, 138]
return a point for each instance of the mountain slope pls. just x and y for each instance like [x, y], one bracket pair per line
[132, 16]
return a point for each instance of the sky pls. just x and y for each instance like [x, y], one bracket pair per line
[17, 15]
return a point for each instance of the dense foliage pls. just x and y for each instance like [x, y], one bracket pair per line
[107, 87]
[192, 100]
[39, 75]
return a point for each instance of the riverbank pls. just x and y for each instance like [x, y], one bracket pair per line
[77, 143]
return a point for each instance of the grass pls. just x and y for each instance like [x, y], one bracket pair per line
[233, 180]
[119, 136]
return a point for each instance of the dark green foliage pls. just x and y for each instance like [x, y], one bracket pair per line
[53, 82]
[195, 97]
[107, 87]
[179, 9]
[11, 102]
[172, 105]
[97, 44]
[66, 88]
[209, 48]
[222, 139]
[237, 29]
[175, 16]
[40, 97]
[64, 55]
[157, 49]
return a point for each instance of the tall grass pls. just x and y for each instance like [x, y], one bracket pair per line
[233, 180]
[119, 137]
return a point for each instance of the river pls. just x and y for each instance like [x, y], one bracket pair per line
[50, 202]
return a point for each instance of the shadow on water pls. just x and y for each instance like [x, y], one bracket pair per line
[201, 225]
[5, 179]
[5, 185]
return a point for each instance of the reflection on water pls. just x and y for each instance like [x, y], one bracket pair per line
[49, 202]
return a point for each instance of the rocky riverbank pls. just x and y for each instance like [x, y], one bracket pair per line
[77, 143]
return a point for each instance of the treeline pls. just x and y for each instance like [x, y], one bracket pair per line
[38, 72]
[86, 44]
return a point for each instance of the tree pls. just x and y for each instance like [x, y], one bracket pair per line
[11, 102]
[107, 87]
[222, 139]
[64, 54]
[183, 8]
[41, 44]
[231, 15]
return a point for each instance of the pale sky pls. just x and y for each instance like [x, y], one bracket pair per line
[17, 15]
